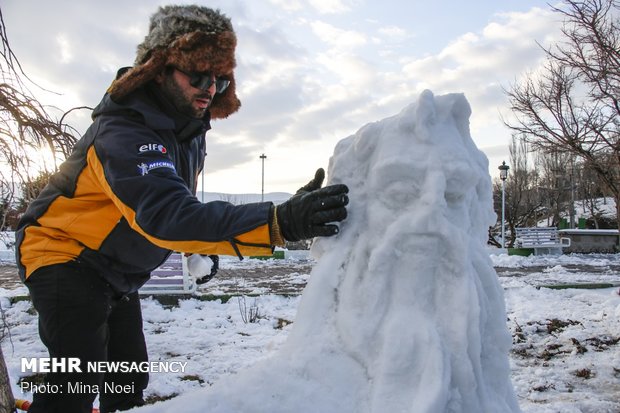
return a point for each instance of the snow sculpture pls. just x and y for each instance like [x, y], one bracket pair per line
[403, 311]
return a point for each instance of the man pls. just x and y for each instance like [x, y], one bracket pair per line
[125, 198]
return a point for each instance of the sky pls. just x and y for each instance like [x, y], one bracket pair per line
[309, 72]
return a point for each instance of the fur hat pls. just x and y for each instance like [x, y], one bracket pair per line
[192, 38]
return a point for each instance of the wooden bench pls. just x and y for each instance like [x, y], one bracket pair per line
[543, 240]
[170, 278]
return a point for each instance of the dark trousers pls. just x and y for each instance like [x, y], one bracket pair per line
[80, 316]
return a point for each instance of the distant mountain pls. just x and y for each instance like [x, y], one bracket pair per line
[238, 199]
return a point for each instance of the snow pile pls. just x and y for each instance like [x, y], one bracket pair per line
[403, 311]
[517, 261]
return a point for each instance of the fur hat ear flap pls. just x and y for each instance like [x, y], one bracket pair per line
[138, 76]
[226, 103]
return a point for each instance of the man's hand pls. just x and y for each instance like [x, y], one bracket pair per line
[310, 211]
[200, 269]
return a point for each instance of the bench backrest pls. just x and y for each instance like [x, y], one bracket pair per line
[170, 278]
[540, 236]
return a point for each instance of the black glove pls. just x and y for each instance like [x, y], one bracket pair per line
[308, 212]
[216, 266]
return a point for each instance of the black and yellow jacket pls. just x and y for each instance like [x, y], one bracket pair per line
[125, 198]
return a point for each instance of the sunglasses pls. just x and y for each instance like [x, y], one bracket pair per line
[203, 81]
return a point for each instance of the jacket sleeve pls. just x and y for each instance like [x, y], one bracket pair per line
[134, 168]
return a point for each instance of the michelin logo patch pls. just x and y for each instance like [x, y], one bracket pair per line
[145, 167]
[152, 147]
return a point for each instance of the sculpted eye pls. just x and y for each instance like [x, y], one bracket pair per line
[397, 184]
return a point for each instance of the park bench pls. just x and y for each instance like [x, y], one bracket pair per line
[543, 240]
[170, 278]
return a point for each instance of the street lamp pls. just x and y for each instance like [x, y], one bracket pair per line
[503, 174]
[202, 193]
[262, 190]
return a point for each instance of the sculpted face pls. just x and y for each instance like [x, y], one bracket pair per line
[403, 310]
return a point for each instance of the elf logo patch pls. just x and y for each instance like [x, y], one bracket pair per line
[152, 147]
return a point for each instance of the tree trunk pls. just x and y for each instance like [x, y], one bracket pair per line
[7, 402]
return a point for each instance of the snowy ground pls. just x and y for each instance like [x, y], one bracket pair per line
[565, 355]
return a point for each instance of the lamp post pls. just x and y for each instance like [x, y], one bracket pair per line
[202, 193]
[503, 174]
[262, 188]
[571, 211]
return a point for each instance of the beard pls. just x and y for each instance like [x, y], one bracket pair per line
[183, 103]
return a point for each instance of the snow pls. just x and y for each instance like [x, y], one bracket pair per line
[213, 339]
[403, 311]
[604, 207]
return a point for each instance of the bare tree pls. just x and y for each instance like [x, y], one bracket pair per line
[573, 105]
[590, 193]
[554, 187]
[26, 130]
[522, 201]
